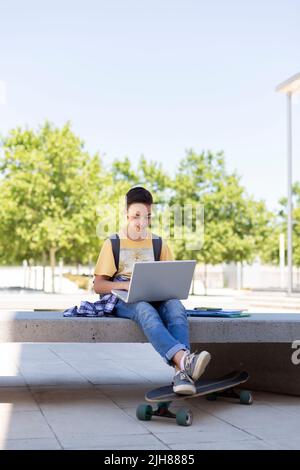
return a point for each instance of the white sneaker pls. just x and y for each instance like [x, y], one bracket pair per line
[183, 384]
[195, 364]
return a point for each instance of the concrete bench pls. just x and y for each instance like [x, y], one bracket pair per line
[263, 344]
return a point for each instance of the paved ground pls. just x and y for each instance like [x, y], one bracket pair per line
[254, 301]
[68, 396]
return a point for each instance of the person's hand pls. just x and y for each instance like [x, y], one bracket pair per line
[124, 285]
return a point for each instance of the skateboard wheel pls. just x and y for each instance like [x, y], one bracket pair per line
[184, 417]
[144, 412]
[246, 397]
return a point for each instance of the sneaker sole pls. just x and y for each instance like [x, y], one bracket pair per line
[202, 362]
[184, 390]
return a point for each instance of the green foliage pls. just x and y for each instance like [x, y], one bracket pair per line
[235, 224]
[54, 195]
[271, 252]
[49, 192]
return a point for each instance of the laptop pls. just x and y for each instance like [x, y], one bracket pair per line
[153, 281]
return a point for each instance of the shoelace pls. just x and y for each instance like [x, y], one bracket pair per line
[189, 359]
[184, 376]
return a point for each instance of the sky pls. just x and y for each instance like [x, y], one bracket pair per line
[157, 78]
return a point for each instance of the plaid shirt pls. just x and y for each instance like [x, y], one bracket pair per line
[103, 306]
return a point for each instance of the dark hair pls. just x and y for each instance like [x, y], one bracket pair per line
[138, 194]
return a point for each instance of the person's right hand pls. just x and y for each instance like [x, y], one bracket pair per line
[124, 285]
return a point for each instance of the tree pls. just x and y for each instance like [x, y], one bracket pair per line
[271, 252]
[49, 193]
[235, 224]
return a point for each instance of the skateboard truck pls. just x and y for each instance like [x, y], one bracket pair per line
[184, 416]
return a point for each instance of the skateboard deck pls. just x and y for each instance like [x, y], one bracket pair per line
[212, 388]
[203, 387]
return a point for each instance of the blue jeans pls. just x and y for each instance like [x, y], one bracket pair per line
[163, 323]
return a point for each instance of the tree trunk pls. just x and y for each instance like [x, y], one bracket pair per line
[193, 283]
[29, 273]
[205, 279]
[44, 258]
[242, 274]
[90, 267]
[239, 275]
[25, 266]
[35, 275]
[61, 266]
[52, 264]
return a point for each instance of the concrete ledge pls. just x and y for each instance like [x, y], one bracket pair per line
[41, 327]
[260, 344]
[269, 365]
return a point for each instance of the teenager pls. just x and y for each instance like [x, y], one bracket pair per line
[164, 323]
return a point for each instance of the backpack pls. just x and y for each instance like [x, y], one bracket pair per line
[115, 244]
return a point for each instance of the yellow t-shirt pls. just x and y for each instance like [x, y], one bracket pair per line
[130, 251]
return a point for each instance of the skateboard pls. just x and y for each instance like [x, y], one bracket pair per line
[211, 388]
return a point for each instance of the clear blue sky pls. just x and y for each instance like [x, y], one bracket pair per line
[157, 77]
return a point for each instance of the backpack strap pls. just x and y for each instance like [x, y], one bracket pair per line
[157, 245]
[115, 245]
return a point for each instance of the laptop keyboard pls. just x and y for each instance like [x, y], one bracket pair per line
[122, 294]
